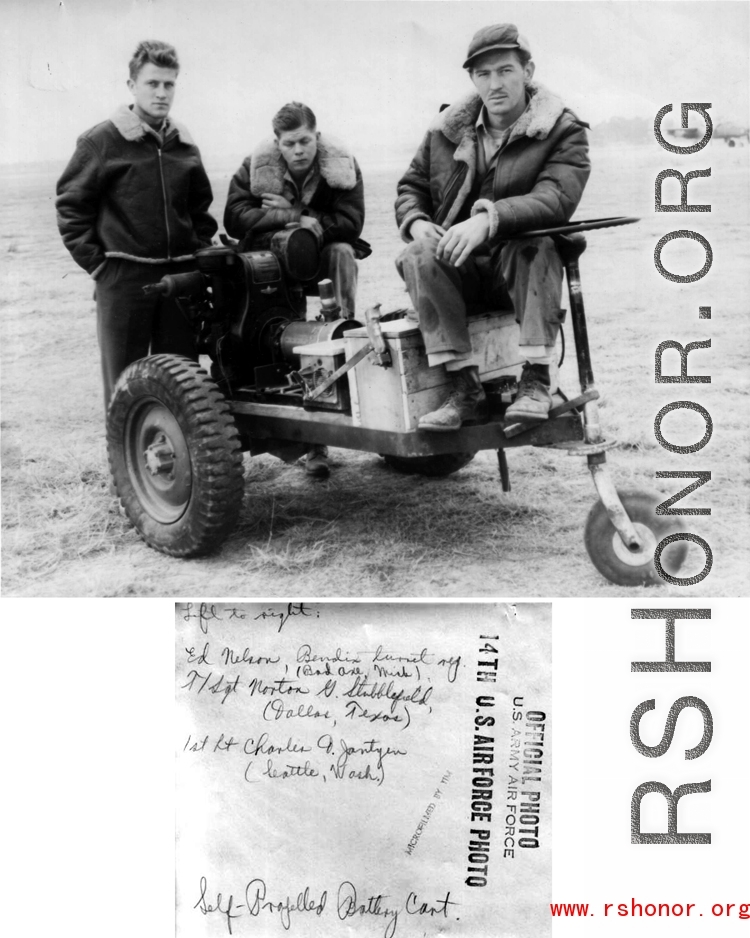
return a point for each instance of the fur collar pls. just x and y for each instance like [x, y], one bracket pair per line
[541, 115]
[458, 124]
[267, 166]
[131, 128]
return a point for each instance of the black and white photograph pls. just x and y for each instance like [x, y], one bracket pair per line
[375, 523]
[375, 299]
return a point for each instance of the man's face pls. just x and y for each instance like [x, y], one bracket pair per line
[298, 147]
[153, 91]
[501, 82]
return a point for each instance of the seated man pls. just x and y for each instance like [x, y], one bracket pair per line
[303, 177]
[508, 158]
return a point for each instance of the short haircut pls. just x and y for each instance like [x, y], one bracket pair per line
[293, 116]
[522, 55]
[157, 53]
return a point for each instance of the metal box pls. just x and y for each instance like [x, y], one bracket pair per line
[395, 398]
[317, 362]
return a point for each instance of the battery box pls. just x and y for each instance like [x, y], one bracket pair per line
[395, 398]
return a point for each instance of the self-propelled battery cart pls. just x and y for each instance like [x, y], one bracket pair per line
[280, 382]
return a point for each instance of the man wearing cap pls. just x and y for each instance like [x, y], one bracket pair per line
[508, 158]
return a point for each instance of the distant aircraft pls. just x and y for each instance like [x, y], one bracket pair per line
[687, 133]
[734, 134]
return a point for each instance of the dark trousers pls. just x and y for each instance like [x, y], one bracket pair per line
[130, 324]
[525, 274]
[338, 264]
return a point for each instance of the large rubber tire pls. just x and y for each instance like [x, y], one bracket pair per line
[612, 558]
[437, 465]
[174, 454]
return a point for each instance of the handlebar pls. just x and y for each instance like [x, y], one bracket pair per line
[587, 225]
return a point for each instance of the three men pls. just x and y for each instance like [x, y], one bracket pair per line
[301, 176]
[132, 206]
[508, 158]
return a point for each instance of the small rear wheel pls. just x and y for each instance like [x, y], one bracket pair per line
[617, 562]
[174, 454]
[436, 465]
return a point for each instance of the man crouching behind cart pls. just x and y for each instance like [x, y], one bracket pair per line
[303, 177]
[508, 158]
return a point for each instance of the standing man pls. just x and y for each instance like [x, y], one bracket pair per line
[301, 176]
[132, 206]
[508, 158]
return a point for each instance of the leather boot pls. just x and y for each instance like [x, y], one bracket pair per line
[466, 403]
[316, 461]
[533, 401]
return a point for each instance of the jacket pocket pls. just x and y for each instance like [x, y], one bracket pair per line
[98, 271]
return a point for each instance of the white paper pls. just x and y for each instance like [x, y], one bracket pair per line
[335, 764]
[649, 887]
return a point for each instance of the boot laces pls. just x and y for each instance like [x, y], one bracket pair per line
[455, 398]
[531, 386]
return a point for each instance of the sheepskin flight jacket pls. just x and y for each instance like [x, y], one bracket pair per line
[122, 195]
[539, 175]
[337, 200]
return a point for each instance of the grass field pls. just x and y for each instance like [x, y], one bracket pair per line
[368, 531]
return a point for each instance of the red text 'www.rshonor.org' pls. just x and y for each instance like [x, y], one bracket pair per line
[633, 909]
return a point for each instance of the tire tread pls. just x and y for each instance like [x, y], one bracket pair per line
[213, 443]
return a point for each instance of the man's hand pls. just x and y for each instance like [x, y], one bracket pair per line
[421, 229]
[274, 201]
[460, 240]
[307, 221]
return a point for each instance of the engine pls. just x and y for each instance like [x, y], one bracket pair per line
[248, 309]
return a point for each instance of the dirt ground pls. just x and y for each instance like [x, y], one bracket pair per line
[368, 531]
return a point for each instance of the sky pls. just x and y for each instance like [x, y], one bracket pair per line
[375, 73]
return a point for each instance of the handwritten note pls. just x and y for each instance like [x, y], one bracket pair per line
[363, 769]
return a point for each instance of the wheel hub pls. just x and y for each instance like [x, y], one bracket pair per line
[158, 461]
[643, 554]
[160, 456]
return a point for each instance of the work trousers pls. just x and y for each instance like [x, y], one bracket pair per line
[130, 324]
[525, 274]
[338, 264]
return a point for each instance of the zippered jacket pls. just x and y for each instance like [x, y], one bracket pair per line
[333, 193]
[123, 195]
[539, 175]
